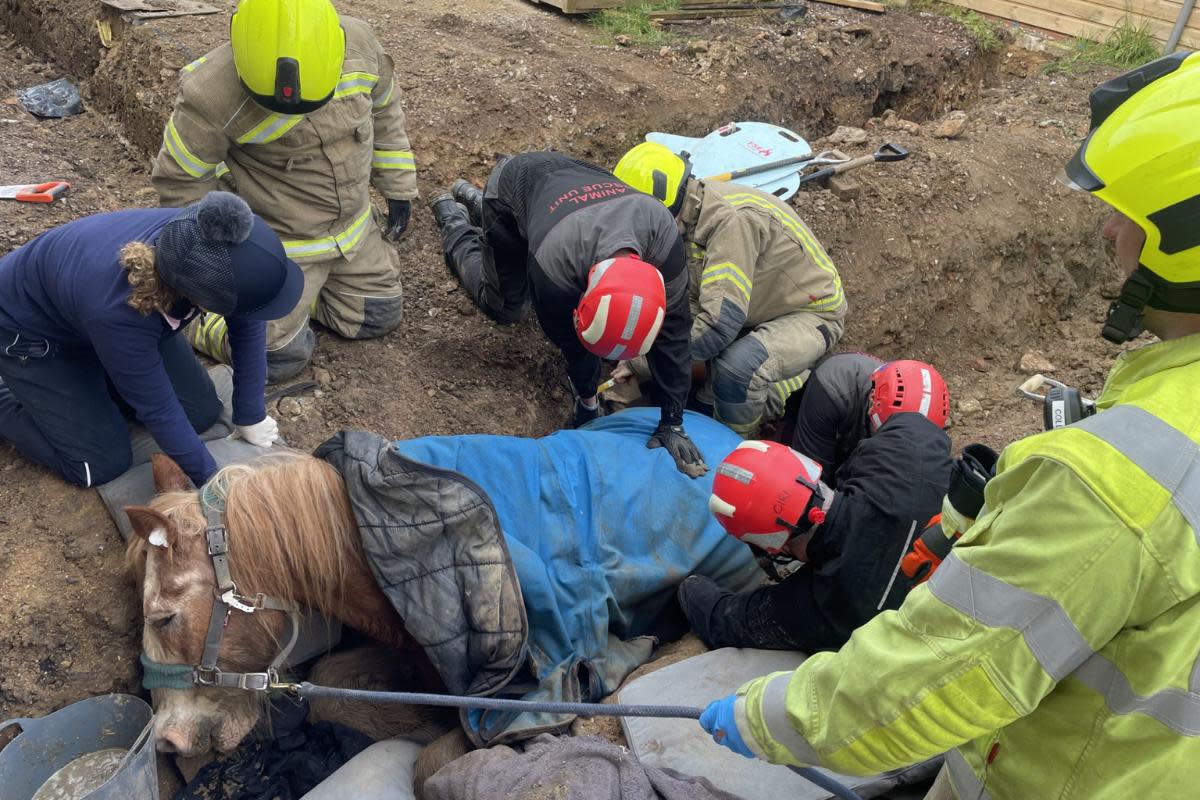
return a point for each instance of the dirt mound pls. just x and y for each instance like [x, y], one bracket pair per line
[965, 254]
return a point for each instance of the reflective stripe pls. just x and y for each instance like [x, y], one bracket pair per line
[192, 66]
[1162, 451]
[393, 159]
[728, 271]
[616, 353]
[635, 311]
[87, 475]
[967, 785]
[383, 102]
[785, 388]
[328, 245]
[1177, 709]
[814, 250]
[271, 128]
[355, 83]
[222, 170]
[1048, 632]
[190, 164]
[779, 725]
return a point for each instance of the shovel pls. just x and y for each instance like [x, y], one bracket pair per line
[34, 192]
[886, 153]
[800, 162]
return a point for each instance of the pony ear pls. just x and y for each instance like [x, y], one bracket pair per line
[168, 477]
[152, 526]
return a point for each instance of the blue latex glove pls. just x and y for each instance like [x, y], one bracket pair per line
[719, 721]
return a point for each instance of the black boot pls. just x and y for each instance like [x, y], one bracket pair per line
[728, 619]
[445, 209]
[466, 193]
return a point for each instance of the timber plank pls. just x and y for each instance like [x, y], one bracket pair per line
[1077, 17]
[587, 6]
[861, 5]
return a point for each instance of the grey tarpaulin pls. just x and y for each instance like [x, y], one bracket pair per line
[57, 98]
[564, 768]
[683, 745]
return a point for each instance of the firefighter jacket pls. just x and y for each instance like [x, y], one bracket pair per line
[750, 259]
[307, 175]
[1054, 652]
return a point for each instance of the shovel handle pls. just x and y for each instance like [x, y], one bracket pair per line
[733, 175]
[42, 192]
[886, 153]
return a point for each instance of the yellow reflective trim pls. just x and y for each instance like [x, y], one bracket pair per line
[386, 100]
[811, 246]
[727, 271]
[355, 83]
[188, 162]
[222, 170]
[328, 245]
[393, 159]
[192, 66]
[271, 128]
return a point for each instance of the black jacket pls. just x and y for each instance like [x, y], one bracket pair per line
[568, 215]
[888, 489]
[832, 416]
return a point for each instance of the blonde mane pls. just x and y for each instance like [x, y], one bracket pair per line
[294, 506]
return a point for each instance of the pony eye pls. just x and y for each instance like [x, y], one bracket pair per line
[164, 622]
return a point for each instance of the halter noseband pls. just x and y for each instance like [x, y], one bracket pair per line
[157, 675]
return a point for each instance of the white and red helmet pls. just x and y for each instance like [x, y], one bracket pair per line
[765, 492]
[903, 386]
[622, 309]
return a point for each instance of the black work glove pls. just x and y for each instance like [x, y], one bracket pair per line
[583, 415]
[680, 446]
[399, 212]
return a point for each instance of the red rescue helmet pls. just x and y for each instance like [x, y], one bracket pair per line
[622, 309]
[765, 492]
[900, 386]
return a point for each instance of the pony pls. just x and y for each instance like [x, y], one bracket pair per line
[291, 535]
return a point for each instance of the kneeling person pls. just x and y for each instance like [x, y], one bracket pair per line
[766, 299]
[851, 540]
[603, 265]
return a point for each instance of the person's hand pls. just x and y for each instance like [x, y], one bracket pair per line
[622, 373]
[260, 434]
[681, 447]
[719, 720]
[635, 369]
[399, 212]
[584, 414]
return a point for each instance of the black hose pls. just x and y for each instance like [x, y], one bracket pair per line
[309, 690]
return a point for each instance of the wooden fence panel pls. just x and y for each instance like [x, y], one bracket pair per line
[1092, 18]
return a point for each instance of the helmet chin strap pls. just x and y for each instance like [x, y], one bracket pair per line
[1124, 319]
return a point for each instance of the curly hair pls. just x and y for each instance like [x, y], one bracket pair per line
[149, 292]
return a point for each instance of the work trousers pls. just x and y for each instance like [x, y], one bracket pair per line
[60, 409]
[749, 382]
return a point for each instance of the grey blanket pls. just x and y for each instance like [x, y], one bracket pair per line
[563, 768]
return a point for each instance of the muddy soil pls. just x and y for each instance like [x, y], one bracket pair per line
[967, 254]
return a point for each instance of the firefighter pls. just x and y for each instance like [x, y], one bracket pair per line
[766, 299]
[1053, 653]
[301, 113]
[849, 395]
[850, 541]
[602, 264]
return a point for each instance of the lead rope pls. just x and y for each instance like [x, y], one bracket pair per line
[310, 691]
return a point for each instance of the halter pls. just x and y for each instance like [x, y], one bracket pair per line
[158, 675]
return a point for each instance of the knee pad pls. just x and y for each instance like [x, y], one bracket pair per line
[286, 361]
[735, 368]
[380, 315]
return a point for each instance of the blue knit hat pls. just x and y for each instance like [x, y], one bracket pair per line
[224, 258]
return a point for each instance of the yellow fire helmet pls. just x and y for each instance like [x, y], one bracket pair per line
[652, 168]
[288, 53]
[1142, 157]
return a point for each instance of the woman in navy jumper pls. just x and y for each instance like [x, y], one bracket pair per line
[89, 317]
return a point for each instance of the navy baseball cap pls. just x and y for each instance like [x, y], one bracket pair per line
[225, 259]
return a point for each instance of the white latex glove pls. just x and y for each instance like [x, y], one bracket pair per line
[260, 434]
[634, 369]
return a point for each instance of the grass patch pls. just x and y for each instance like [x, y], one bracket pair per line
[984, 32]
[1126, 46]
[632, 20]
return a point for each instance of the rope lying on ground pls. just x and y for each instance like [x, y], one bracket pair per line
[310, 691]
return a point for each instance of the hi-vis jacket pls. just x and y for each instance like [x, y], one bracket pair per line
[306, 175]
[1059, 640]
[751, 259]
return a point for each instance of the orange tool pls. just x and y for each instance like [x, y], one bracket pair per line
[34, 192]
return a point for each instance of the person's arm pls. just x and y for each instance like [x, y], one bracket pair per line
[393, 168]
[670, 356]
[818, 422]
[555, 306]
[130, 356]
[193, 151]
[248, 353]
[1012, 611]
[731, 252]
